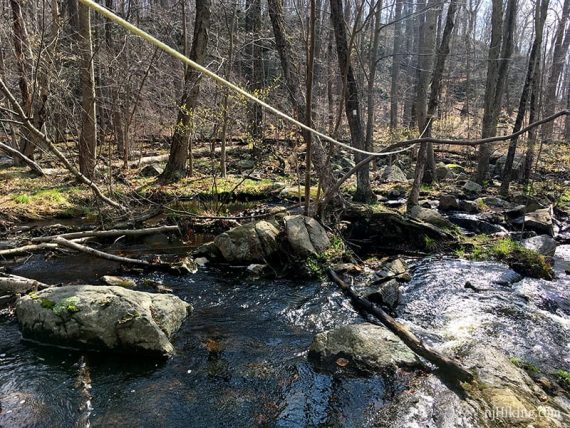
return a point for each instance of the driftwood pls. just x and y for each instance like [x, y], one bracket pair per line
[408, 338]
[13, 284]
[107, 233]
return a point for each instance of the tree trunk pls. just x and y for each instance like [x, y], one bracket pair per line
[396, 65]
[88, 132]
[351, 103]
[541, 10]
[254, 67]
[372, 67]
[532, 116]
[561, 43]
[293, 87]
[490, 110]
[178, 158]
[435, 90]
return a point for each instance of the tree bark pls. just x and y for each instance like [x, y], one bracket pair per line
[352, 105]
[178, 158]
[541, 10]
[561, 44]
[395, 73]
[88, 132]
[254, 65]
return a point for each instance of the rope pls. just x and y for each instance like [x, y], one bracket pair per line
[175, 54]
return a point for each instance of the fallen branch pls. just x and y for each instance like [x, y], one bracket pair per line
[16, 153]
[13, 284]
[112, 257]
[107, 233]
[400, 330]
[27, 249]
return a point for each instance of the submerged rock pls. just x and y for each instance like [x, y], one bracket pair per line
[102, 318]
[365, 347]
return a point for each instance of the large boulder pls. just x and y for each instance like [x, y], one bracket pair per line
[249, 243]
[392, 174]
[448, 203]
[429, 216]
[540, 221]
[102, 318]
[305, 235]
[471, 188]
[361, 348]
[517, 170]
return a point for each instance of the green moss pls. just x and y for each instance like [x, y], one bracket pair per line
[22, 199]
[47, 303]
[522, 260]
[316, 264]
[526, 366]
[563, 378]
[430, 244]
[66, 306]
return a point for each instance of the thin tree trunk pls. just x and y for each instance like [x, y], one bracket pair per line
[352, 105]
[176, 166]
[395, 65]
[435, 90]
[309, 103]
[541, 10]
[561, 44]
[254, 68]
[88, 135]
[372, 68]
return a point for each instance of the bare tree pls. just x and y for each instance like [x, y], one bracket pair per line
[178, 158]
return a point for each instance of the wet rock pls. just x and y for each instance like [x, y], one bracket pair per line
[395, 269]
[540, 221]
[530, 203]
[387, 293]
[396, 193]
[448, 203]
[249, 243]
[475, 224]
[429, 216]
[392, 174]
[472, 188]
[102, 318]
[151, 170]
[305, 235]
[515, 212]
[258, 269]
[366, 347]
[119, 281]
[543, 244]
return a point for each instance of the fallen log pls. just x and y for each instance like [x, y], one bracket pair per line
[13, 284]
[408, 338]
[108, 233]
[62, 242]
[16, 153]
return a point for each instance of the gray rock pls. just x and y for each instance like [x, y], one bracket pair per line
[397, 269]
[151, 170]
[475, 224]
[305, 235]
[448, 203]
[441, 171]
[470, 207]
[387, 293]
[494, 202]
[429, 216]
[119, 281]
[470, 188]
[257, 269]
[540, 221]
[102, 318]
[517, 170]
[392, 174]
[249, 243]
[365, 347]
[543, 244]
[245, 164]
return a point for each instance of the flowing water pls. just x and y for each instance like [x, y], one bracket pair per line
[241, 355]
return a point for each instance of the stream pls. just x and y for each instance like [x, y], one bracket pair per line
[241, 355]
